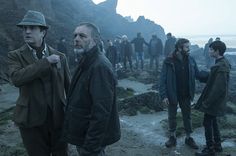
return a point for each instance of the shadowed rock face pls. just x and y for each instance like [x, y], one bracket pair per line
[63, 16]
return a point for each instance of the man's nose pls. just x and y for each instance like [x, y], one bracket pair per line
[27, 30]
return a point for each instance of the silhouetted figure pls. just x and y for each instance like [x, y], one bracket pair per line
[217, 39]
[169, 44]
[212, 101]
[61, 46]
[126, 50]
[155, 50]
[111, 53]
[138, 48]
[209, 60]
[117, 44]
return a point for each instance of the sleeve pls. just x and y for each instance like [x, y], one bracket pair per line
[163, 82]
[21, 75]
[102, 87]
[219, 88]
[202, 76]
[145, 42]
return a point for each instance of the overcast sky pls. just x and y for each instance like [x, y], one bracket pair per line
[185, 17]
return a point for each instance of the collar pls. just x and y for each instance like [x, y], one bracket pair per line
[218, 59]
[44, 52]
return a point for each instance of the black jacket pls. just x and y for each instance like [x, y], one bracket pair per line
[157, 51]
[214, 96]
[92, 120]
[138, 44]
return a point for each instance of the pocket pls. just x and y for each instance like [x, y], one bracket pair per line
[78, 122]
[21, 110]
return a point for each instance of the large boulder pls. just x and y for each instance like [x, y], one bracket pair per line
[145, 103]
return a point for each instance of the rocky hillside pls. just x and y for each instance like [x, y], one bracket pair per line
[63, 16]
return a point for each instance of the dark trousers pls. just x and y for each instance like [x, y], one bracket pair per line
[128, 57]
[152, 59]
[43, 140]
[82, 152]
[185, 106]
[139, 55]
[212, 133]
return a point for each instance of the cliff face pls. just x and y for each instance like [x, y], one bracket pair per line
[63, 16]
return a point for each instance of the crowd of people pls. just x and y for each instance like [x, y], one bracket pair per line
[54, 109]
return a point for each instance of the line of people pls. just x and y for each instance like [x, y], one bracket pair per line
[54, 109]
[122, 50]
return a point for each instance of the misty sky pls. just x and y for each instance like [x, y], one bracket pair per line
[185, 17]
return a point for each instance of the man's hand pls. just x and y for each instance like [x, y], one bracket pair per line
[165, 101]
[53, 58]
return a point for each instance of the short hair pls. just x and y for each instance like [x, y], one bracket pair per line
[180, 43]
[95, 32]
[218, 45]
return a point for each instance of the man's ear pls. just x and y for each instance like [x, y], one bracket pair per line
[44, 33]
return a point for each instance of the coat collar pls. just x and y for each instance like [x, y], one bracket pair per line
[28, 54]
[89, 57]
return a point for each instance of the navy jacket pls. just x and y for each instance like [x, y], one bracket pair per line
[167, 87]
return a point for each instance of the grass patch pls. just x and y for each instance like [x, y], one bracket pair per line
[227, 124]
[197, 118]
[6, 116]
[17, 150]
[227, 151]
[124, 93]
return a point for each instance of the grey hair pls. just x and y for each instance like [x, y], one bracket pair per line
[95, 32]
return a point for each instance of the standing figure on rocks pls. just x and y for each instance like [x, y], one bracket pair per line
[208, 58]
[177, 86]
[117, 44]
[111, 53]
[155, 50]
[212, 101]
[91, 121]
[126, 50]
[42, 75]
[169, 44]
[138, 48]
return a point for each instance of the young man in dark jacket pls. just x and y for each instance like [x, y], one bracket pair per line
[177, 86]
[213, 98]
[91, 119]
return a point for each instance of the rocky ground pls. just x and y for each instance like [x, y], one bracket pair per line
[143, 121]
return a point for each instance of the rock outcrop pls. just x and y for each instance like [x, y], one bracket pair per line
[63, 16]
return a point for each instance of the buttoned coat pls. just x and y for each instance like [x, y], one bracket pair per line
[28, 74]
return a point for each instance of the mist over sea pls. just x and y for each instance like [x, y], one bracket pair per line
[201, 40]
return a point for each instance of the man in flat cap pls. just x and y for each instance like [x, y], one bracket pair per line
[42, 76]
